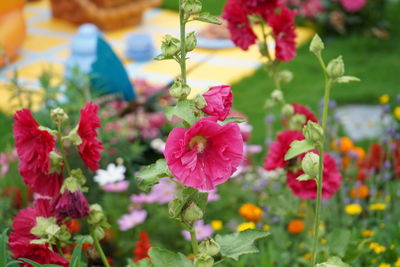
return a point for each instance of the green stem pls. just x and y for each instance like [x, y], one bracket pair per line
[182, 22]
[59, 249]
[61, 147]
[195, 245]
[328, 84]
[98, 247]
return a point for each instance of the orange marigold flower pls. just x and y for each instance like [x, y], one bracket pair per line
[346, 160]
[359, 192]
[251, 212]
[360, 152]
[344, 144]
[296, 227]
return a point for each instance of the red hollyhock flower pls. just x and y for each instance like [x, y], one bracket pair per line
[90, 147]
[303, 110]
[142, 247]
[283, 28]
[276, 154]
[332, 179]
[33, 149]
[262, 7]
[73, 205]
[219, 101]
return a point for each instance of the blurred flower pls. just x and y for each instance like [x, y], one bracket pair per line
[73, 226]
[377, 206]
[161, 193]
[212, 195]
[251, 212]
[367, 233]
[307, 256]
[397, 263]
[396, 112]
[353, 209]
[245, 226]
[219, 101]
[142, 247]
[112, 174]
[295, 226]
[377, 248]
[359, 192]
[116, 187]
[158, 145]
[73, 205]
[384, 99]
[202, 230]
[216, 224]
[353, 5]
[384, 265]
[266, 227]
[343, 145]
[304, 110]
[132, 219]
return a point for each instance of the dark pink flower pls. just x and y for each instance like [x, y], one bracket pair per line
[283, 28]
[275, 158]
[219, 101]
[353, 5]
[90, 147]
[206, 154]
[331, 182]
[303, 110]
[73, 205]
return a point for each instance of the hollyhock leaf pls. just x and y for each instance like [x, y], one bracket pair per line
[240, 243]
[338, 241]
[298, 148]
[3, 246]
[207, 17]
[149, 175]
[184, 109]
[232, 119]
[35, 264]
[347, 79]
[142, 263]
[77, 255]
[165, 258]
[333, 262]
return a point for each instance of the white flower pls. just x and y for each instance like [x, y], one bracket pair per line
[114, 173]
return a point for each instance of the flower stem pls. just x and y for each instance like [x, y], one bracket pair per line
[328, 84]
[182, 22]
[195, 245]
[61, 147]
[98, 247]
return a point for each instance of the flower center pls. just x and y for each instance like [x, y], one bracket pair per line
[198, 143]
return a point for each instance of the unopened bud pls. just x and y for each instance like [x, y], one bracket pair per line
[285, 76]
[190, 42]
[317, 45]
[335, 68]
[175, 208]
[277, 96]
[209, 247]
[74, 137]
[56, 162]
[287, 110]
[192, 213]
[179, 90]
[310, 164]
[58, 115]
[192, 6]
[170, 46]
[199, 101]
[296, 122]
[203, 260]
[313, 132]
[96, 214]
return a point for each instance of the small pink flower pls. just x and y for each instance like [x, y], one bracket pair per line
[206, 154]
[353, 5]
[116, 187]
[219, 101]
[129, 221]
[202, 230]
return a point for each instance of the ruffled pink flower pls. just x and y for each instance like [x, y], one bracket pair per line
[275, 158]
[283, 28]
[331, 182]
[72, 205]
[261, 7]
[353, 5]
[219, 101]
[90, 147]
[206, 154]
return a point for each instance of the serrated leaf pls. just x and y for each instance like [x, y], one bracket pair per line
[150, 174]
[298, 147]
[232, 119]
[207, 17]
[3, 247]
[77, 255]
[347, 79]
[240, 243]
[35, 264]
[338, 241]
[184, 109]
[303, 177]
[165, 258]
[333, 262]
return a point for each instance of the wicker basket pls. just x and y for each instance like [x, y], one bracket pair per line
[106, 14]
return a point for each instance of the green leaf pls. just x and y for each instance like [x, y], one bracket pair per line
[231, 119]
[347, 79]
[163, 57]
[184, 109]
[333, 262]
[165, 258]
[207, 17]
[77, 255]
[3, 247]
[354, 250]
[338, 241]
[298, 147]
[35, 264]
[240, 243]
[142, 263]
[192, 194]
[149, 175]
[14, 262]
[303, 177]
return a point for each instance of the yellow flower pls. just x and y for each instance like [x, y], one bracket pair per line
[266, 227]
[377, 206]
[353, 209]
[216, 224]
[367, 233]
[377, 248]
[384, 265]
[246, 225]
[323, 241]
[397, 263]
[251, 212]
[383, 99]
[307, 256]
[373, 261]
[396, 112]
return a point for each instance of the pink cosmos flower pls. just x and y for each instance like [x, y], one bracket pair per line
[206, 154]
[202, 230]
[73, 205]
[276, 154]
[128, 221]
[161, 193]
[90, 147]
[331, 182]
[283, 28]
[353, 5]
[219, 101]
[116, 187]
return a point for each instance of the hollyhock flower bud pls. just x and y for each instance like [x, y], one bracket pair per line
[199, 101]
[316, 45]
[192, 213]
[58, 115]
[175, 208]
[73, 205]
[310, 164]
[287, 110]
[179, 90]
[96, 214]
[219, 101]
[170, 46]
[192, 6]
[285, 76]
[203, 260]
[313, 132]
[56, 162]
[335, 68]
[277, 96]
[190, 42]
[209, 247]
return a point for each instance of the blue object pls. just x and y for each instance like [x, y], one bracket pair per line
[139, 47]
[214, 43]
[95, 57]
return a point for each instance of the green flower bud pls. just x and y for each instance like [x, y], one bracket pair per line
[313, 132]
[63, 235]
[209, 247]
[277, 96]
[179, 90]
[335, 68]
[287, 110]
[269, 103]
[296, 122]
[285, 76]
[170, 46]
[99, 233]
[310, 164]
[199, 101]
[175, 208]
[192, 213]
[96, 214]
[74, 137]
[58, 115]
[316, 45]
[190, 42]
[56, 162]
[203, 260]
[192, 6]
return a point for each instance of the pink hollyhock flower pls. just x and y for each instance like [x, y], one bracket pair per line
[116, 187]
[202, 230]
[331, 182]
[276, 154]
[219, 101]
[353, 5]
[283, 28]
[300, 109]
[262, 7]
[206, 154]
[129, 221]
[90, 147]
[73, 205]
